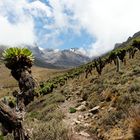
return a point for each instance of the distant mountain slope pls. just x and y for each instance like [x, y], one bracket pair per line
[41, 63]
[128, 41]
[65, 58]
[58, 59]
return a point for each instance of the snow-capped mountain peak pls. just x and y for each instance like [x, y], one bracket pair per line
[60, 58]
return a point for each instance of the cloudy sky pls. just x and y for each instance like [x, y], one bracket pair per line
[94, 26]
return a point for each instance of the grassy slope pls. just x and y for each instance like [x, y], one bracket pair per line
[115, 93]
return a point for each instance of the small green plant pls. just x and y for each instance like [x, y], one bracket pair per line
[34, 114]
[72, 110]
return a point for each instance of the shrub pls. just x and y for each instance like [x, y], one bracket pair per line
[45, 89]
[135, 122]
[52, 130]
[51, 112]
[134, 87]
[72, 110]
[111, 118]
[54, 98]
[136, 128]
[136, 70]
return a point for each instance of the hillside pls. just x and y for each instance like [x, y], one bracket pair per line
[97, 107]
[103, 104]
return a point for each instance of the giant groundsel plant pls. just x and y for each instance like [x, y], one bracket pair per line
[19, 61]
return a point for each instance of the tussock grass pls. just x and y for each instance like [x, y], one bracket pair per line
[46, 120]
[135, 122]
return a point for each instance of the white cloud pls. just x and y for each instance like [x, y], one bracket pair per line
[60, 18]
[21, 33]
[107, 20]
[51, 40]
[39, 9]
[16, 27]
[82, 51]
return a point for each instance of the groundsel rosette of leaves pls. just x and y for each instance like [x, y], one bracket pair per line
[18, 57]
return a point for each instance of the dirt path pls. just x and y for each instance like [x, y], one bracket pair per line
[75, 120]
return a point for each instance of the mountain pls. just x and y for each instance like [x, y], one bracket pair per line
[58, 59]
[128, 41]
[65, 58]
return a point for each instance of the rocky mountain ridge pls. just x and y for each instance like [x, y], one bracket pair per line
[59, 58]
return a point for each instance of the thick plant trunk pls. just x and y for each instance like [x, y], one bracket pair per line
[12, 122]
[99, 64]
[12, 119]
[118, 64]
[8, 117]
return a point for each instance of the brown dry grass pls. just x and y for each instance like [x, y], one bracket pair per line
[115, 92]
[134, 114]
[8, 83]
[136, 128]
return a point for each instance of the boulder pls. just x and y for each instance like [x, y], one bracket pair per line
[81, 108]
[94, 110]
[85, 134]
[76, 121]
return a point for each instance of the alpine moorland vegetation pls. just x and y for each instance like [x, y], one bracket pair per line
[104, 99]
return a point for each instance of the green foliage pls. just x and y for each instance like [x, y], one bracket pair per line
[120, 52]
[10, 100]
[72, 110]
[46, 88]
[34, 114]
[136, 43]
[136, 70]
[1, 137]
[18, 57]
[99, 64]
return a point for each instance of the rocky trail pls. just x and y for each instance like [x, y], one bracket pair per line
[79, 121]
